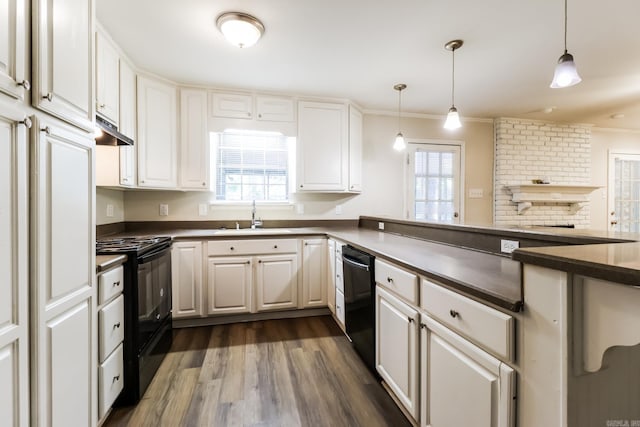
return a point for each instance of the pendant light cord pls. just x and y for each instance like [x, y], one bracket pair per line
[453, 74]
[399, 104]
[565, 26]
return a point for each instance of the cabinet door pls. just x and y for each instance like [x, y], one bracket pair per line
[107, 79]
[232, 105]
[331, 275]
[63, 290]
[14, 280]
[62, 60]
[277, 282]
[322, 146]
[186, 270]
[229, 285]
[275, 109]
[458, 375]
[12, 48]
[314, 273]
[194, 141]
[397, 348]
[157, 139]
[127, 123]
[355, 149]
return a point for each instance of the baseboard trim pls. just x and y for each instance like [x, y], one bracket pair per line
[249, 317]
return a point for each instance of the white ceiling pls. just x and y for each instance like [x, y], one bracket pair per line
[358, 49]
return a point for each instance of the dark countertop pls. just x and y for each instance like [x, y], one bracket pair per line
[105, 262]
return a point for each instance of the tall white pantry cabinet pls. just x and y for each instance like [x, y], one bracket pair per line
[47, 214]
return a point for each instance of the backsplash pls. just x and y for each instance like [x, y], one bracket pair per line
[526, 150]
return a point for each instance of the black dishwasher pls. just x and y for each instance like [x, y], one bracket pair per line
[359, 302]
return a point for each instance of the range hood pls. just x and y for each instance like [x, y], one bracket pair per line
[110, 134]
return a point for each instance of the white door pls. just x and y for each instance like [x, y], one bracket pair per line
[62, 56]
[63, 291]
[276, 282]
[186, 271]
[434, 182]
[107, 79]
[14, 280]
[397, 348]
[194, 140]
[229, 285]
[314, 270]
[624, 192]
[157, 134]
[462, 385]
[12, 48]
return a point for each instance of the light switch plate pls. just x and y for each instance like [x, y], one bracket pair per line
[476, 193]
[164, 209]
[508, 246]
[338, 209]
[299, 208]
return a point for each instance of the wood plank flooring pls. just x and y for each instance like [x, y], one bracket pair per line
[290, 372]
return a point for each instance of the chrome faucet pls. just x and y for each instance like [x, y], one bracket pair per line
[254, 222]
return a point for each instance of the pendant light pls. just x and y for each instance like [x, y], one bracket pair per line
[399, 143]
[453, 118]
[566, 73]
[240, 29]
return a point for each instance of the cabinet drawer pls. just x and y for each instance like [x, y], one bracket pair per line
[111, 327]
[339, 274]
[340, 306]
[248, 247]
[397, 280]
[110, 379]
[110, 283]
[480, 323]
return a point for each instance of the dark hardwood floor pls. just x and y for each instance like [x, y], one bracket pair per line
[290, 372]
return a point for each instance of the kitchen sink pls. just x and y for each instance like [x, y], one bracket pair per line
[251, 231]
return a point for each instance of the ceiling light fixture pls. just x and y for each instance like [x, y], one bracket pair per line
[399, 143]
[453, 118]
[240, 29]
[566, 73]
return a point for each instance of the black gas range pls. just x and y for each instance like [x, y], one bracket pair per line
[147, 308]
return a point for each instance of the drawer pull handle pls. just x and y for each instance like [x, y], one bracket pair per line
[275, 246]
[116, 284]
[231, 248]
[26, 122]
[422, 326]
[260, 261]
[25, 84]
[116, 378]
[389, 280]
[410, 319]
[248, 262]
[157, 317]
[116, 325]
[454, 313]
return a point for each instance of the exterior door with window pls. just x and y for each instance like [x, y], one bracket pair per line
[433, 182]
[624, 192]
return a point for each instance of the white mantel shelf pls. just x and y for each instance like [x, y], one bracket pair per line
[525, 195]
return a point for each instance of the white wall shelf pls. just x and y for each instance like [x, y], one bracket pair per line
[525, 195]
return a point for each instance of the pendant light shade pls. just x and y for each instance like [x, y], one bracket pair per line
[240, 29]
[566, 73]
[453, 118]
[399, 144]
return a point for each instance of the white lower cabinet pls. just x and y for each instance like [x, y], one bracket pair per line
[314, 270]
[462, 385]
[186, 271]
[397, 351]
[110, 379]
[276, 282]
[340, 308]
[331, 275]
[229, 285]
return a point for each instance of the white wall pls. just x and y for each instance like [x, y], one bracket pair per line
[383, 180]
[105, 197]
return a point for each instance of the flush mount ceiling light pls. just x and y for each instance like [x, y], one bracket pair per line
[453, 118]
[399, 143]
[566, 73]
[240, 29]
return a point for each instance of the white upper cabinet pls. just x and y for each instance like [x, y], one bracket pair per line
[194, 141]
[157, 137]
[275, 109]
[355, 149]
[62, 58]
[107, 79]
[127, 123]
[322, 146]
[232, 105]
[12, 48]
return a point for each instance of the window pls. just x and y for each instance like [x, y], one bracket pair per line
[251, 165]
[433, 182]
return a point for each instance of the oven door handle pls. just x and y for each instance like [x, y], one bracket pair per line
[153, 255]
[355, 264]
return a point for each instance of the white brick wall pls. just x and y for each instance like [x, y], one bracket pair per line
[528, 149]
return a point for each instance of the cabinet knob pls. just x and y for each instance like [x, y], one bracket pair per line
[26, 122]
[116, 378]
[352, 186]
[422, 325]
[116, 325]
[259, 116]
[248, 262]
[259, 261]
[101, 105]
[410, 319]
[204, 184]
[454, 313]
[157, 317]
[116, 284]
[46, 130]
[389, 280]
[231, 248]
[455, 215]
[25, 84]
[48, 96]
[275, 246]
[249, 114]
[301, 186]
[142, 181]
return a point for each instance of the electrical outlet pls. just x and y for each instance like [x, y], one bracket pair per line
[299, 208]
[381, 226]
[508, 246]
[202, 209]
[109, 210]
[338, 209]
[164, 209]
